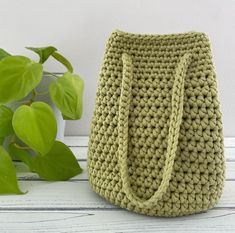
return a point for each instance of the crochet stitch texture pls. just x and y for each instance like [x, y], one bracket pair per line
[156, 140]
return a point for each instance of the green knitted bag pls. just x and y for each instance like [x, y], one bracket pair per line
[156, 141]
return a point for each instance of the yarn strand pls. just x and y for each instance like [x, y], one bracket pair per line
[177, 101]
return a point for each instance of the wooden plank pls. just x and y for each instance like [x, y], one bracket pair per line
[229, 154]
[81, 153]
[74, 141]
[79, 148]
[229, 141]
[42, 194]
[230, 171]
[108, 221]
[23, 174]
[75, 195]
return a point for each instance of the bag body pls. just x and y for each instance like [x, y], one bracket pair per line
[156, 139]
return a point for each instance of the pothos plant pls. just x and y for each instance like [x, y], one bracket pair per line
[28, 133]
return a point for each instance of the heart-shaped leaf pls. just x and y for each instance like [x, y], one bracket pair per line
[6, 115]
[8, 180]
[43, 52]
[36, 126]
[63, 61]
[22, 155]
[4, 54]
[18, 76]
[67, 95]
[58, 164]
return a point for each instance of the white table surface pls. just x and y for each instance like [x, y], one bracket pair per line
[73, 207]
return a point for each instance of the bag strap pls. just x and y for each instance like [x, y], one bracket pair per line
[177, 101]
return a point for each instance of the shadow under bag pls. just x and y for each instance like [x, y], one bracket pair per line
[156, 140]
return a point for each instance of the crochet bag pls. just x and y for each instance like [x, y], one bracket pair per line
[156, 140]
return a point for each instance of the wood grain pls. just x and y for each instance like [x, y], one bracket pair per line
[109, 221]
[75, 195]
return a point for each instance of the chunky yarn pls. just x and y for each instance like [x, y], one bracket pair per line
[156, 141]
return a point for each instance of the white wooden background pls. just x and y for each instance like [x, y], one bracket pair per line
[73, 207]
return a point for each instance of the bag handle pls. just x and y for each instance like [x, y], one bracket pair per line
[177, 102]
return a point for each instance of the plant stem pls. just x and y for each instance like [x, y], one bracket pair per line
[12, 138]
[51, 74]
[22, 102]
[21, 147]
[41, 93]
[34, 93]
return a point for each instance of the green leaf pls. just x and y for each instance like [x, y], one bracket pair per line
[63, 61]
[36, 126]
[18, 76]
[67, 95]
[6, 115]
[8, 180]
[1, 141]
[43, 52]
[58, 164]
[22, 155]
[4, 54]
